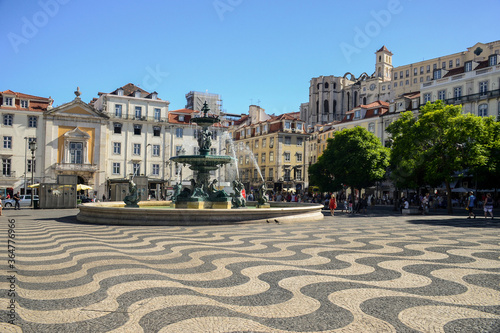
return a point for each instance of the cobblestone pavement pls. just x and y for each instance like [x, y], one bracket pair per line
[378, 272]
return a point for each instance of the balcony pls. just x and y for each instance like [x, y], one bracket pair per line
[11, 174]
[133, 117]
[75, 167]
[473, 97]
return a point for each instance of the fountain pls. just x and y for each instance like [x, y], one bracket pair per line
[201, 203]
[203, 193]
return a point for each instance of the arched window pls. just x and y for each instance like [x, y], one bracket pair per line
[334, 106]
[483, 110]
[326, 85]
[364, 100]
[348, 100]
[334, 85]
[355, 99]
[326, 108]
[317, 106]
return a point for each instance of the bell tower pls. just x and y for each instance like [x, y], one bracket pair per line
[383, 64]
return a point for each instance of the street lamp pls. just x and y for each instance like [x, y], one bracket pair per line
[33, 147]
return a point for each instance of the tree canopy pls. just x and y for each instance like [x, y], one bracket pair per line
[442, 141]
[354, 157]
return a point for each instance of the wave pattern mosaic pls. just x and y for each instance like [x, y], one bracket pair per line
[383, 274]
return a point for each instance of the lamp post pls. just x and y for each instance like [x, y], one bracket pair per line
[25, 161]
[32, 146]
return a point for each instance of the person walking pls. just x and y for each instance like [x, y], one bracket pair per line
[470, 204]
[332, 204]
[488, 206]
[17, 198]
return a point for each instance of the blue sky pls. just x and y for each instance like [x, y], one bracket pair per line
[245, 50]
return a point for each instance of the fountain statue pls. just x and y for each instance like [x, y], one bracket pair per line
[132, 198]
[238, 200]
[203, 193]
[262, 201]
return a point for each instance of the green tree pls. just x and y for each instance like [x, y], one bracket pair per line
[354, 157]
[439, 143]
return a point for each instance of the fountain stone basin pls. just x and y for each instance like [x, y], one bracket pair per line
[161, 213]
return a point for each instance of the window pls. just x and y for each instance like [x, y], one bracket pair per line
[357, 113]
[434, 66]
[76, 152]
[271, 156]
[257, 130]
[118, 110]
[7, 142]
[288, 140]
[213, 151]
[468, 66]
[395, 75]
[179, 132]
[300, 141]
[247, 160]
[24, 104]
[136, 169]
[137, 129]
[7, 101]
[483, 110]
[457, 63]
[383, 88]
[299, 126]
[437, 74]
[138, 112]
[156, 150]
[181, 117]
[421, 69]
[241, 160]
[137, 149]
[8, 119]
[288, 125]
[117, 148]
[32, 121]
[428, 78]
[287, 156]
[298, 174]
[196, 150]
[178, 150]
[407, 82]
[457, 93]
[116, 168]
[401, 74]
[492, 60]
[156, 169]
[415, 80]
[421, 79]
[450, 64]
[407, 73]
[427, 97]
[415, 70]
[443, 64]
[6, 167]
[156, 130]
[249, 132]
[264, 143]
[263, 158]
[31, 167]
[299, 157]
[395, 84]
[371, 127]
[271, 172]
[157, 114]
[287, 175]
[265, 128]
[271, 142]
[428, 68]
[442, 95]
[117, 128]
[483, 88]
[256, 143]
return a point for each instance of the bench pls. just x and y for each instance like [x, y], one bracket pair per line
[411, 211]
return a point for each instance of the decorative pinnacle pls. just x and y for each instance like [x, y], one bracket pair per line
[205, 109]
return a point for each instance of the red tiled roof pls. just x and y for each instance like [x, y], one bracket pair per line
[189, 111]
[35, 103]
[383, 48]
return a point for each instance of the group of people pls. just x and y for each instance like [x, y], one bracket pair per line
[487, 205]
